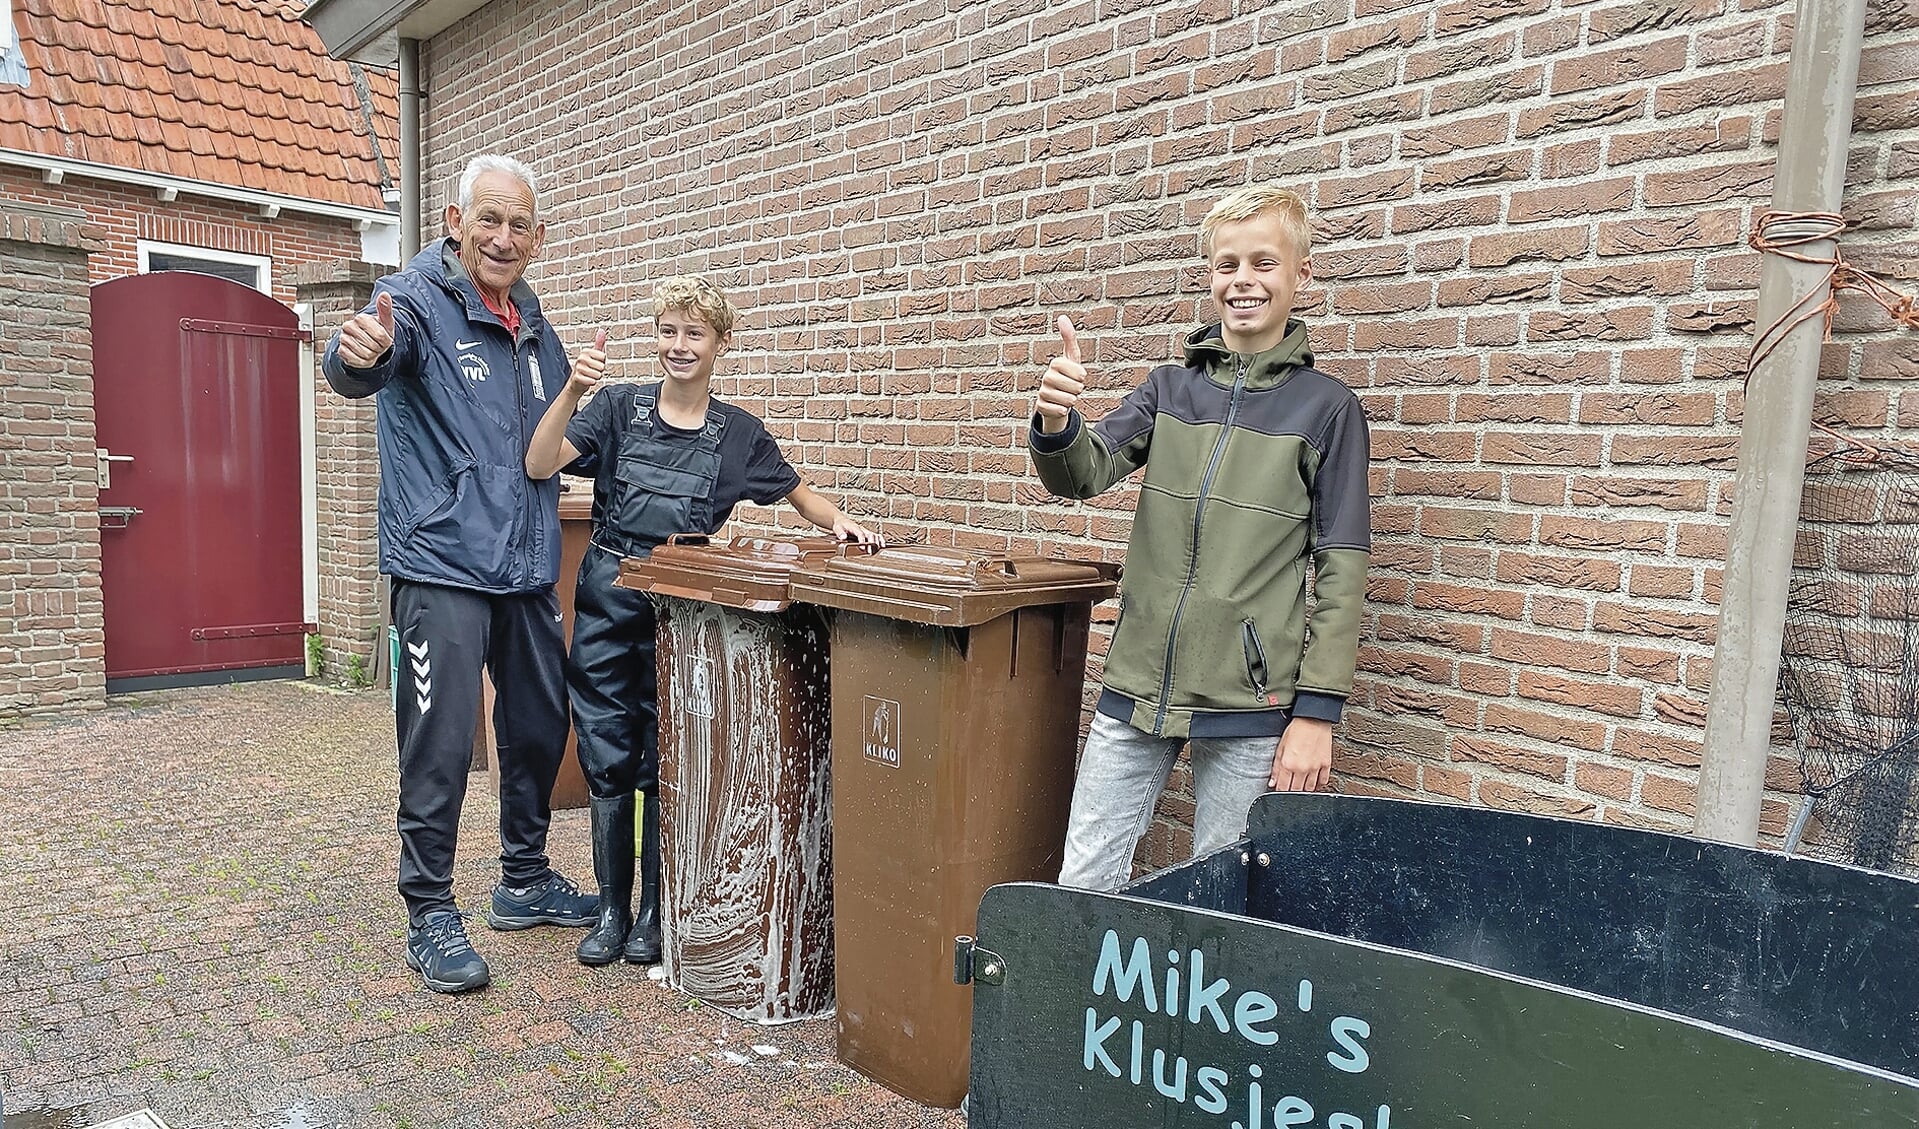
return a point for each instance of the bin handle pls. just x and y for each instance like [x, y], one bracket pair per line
[689, 539]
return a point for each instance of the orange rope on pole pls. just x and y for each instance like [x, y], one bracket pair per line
[1786, 234]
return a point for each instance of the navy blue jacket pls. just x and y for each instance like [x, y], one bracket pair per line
[459, 398]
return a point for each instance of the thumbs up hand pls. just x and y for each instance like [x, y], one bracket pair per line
[589, 368]
[365, 338]
[1060, 388]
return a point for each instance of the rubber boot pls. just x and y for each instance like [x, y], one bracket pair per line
[613, 866]
[643, 943]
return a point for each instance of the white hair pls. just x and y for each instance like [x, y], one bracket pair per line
[492, 162]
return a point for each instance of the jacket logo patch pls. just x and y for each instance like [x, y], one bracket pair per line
[539, 386]
[474, 366]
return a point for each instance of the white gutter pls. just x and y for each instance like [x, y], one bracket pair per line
[269, 203]
[365, 29]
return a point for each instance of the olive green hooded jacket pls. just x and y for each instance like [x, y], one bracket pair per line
[1254, 463]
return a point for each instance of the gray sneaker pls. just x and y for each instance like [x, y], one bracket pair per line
[553, 902]
[439, 951]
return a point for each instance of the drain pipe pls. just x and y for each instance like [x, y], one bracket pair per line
[1809, 176]
[382, 671]
[409, 149]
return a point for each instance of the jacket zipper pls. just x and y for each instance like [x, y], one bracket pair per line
[525, 484]
[1199, 513]
[1255, 658]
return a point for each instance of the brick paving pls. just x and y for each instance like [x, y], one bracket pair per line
[201, 920]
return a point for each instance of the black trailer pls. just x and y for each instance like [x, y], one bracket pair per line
[1363, 963]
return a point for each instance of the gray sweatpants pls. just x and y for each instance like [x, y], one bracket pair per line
[1121, 775]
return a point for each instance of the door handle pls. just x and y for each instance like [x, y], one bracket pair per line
[122, 515]
[104, 460]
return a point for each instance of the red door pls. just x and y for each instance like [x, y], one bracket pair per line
[197, 405]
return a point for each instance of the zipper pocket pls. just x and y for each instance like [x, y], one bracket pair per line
[1255, 657]
[441, 503]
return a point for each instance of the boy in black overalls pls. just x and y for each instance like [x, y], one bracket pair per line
[665, 458]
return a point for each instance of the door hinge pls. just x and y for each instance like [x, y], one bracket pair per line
[975, 965]
[252, 631]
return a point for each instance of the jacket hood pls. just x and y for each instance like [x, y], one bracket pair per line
[440, 261]
[1206, 350]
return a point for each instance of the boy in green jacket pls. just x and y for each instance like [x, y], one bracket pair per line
[1257, 464]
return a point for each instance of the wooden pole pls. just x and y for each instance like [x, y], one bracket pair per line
[1809, 177]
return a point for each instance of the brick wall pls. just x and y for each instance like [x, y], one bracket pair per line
[347, 470]
[52, 641]
[303, 250]
[1530, 258]
[125, 215]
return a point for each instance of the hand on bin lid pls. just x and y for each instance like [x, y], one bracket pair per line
[749, 573]
[947, 587]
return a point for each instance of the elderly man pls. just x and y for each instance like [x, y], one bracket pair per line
[464, 365]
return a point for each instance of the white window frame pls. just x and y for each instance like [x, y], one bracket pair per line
[6, 28]
[262, 263]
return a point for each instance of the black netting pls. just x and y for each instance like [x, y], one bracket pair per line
[1850, 673]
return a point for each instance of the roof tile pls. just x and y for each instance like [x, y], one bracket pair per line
[236, 92]
[249, 152]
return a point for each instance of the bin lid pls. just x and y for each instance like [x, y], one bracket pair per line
[750, 573]
[948, 587]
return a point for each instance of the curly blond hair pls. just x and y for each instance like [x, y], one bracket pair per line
[1260, 199]
[691, 292]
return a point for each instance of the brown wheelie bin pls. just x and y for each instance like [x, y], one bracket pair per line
[745, 801]
[956, 707]
[569, 787]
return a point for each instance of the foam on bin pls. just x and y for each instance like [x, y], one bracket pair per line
[745, 822]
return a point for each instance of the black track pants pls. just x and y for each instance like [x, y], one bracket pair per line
[613, 681]
[446, 636]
